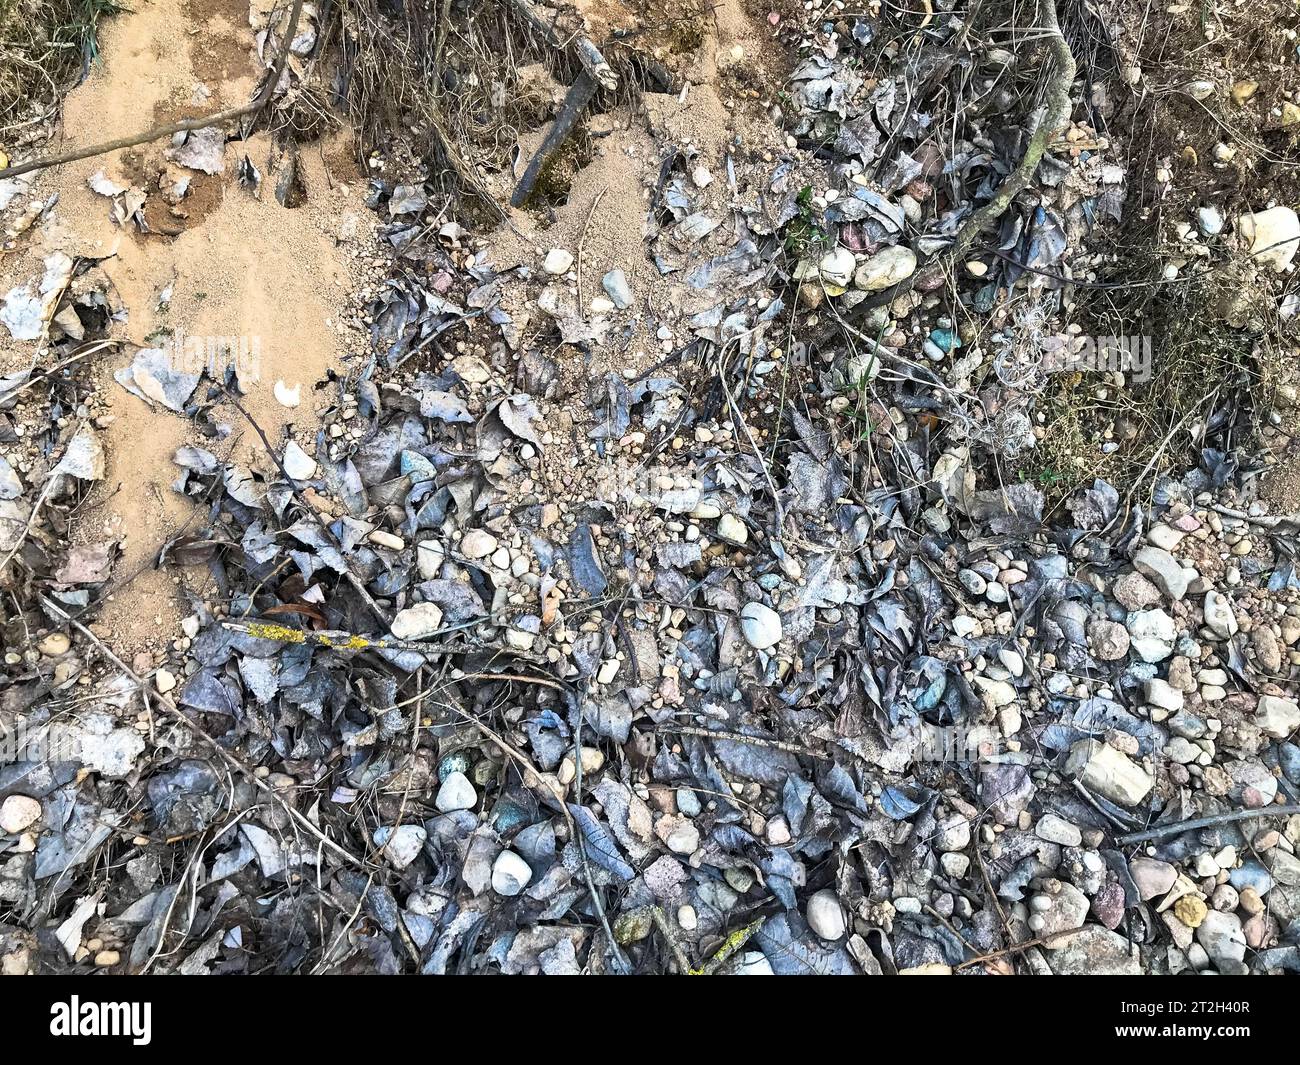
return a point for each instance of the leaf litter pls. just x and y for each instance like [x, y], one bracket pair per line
[662, 604]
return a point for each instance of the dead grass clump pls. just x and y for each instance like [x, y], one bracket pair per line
[44, 46]
[1199, 129]
[1201, 388]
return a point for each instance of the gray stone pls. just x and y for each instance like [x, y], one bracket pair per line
[297, 463]
[825, 915]
[761, 626]
[1165, 570]
[952, 834]
[1164, 695]
[617, 288]
[417, 622]
[1284, 867]
[1152, 633]
[401, 845]
[1109, 640]
[1067, 909]
[1153, 878]
[887, 267]
[558, 261]
[1057, 830]
[1105, 770]
[1221, 937]
[1135, 592]
[1277, 717]
[477, 543]
[456, 793]
[510, 874]
[1219, 617]
[1094, 951]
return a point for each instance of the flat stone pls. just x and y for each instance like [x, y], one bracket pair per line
[836, 267]
[1094, 951]
[678, 834]
[998, 692]
[297, 463]
[1057, 830]
[1164, 695]
[1152, 877]
[1105, 770]
[1013, 661]
[1067, 909]
[1273, 236]
[1164, 570]
[1284, 867]
[1277, 717]
[1164, 536]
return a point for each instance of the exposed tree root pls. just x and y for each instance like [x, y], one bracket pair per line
[1056, 115]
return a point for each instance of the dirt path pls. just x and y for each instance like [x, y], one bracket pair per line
[603, 222]
[220, 264]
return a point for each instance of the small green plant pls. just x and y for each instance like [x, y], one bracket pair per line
[803, 235]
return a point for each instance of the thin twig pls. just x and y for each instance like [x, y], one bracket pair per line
[1177, 827]
[337, 639]
[1020, 948]
[752, 741]
[666, 930]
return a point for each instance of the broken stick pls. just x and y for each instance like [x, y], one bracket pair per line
[588, 54]
[575, 102]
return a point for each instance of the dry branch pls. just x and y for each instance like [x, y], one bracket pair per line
[575, 102]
